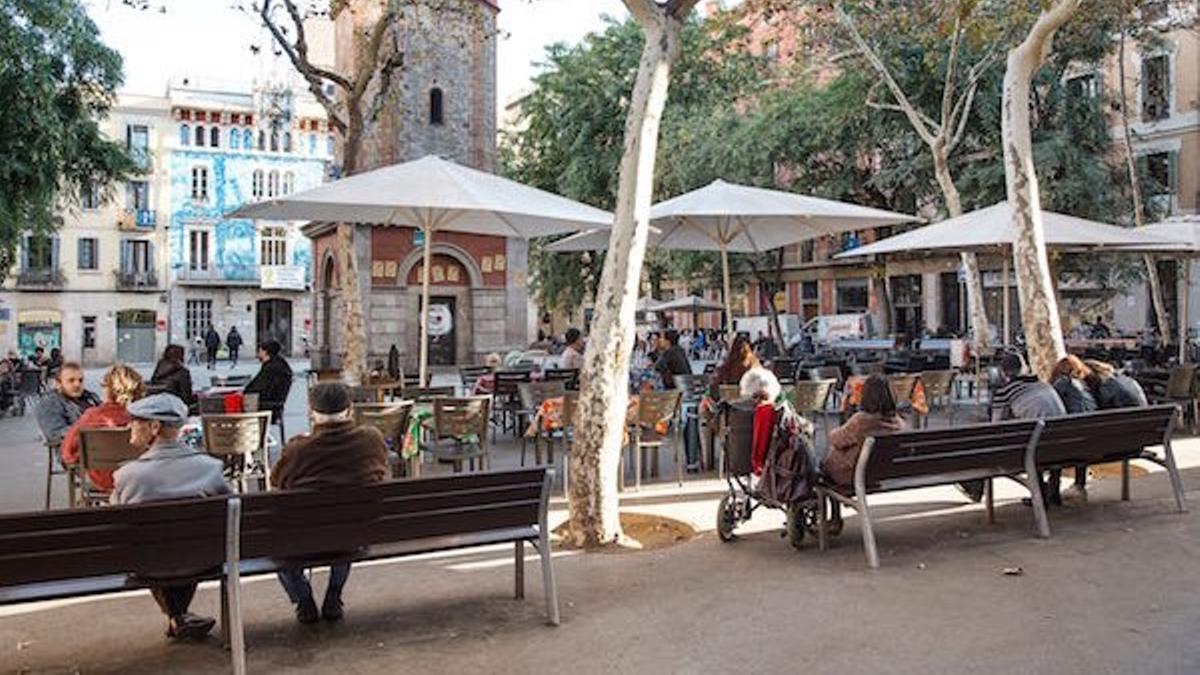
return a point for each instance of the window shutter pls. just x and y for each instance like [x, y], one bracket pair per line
[126, 250]
[1173, 171]
[54, 253]
[150, 266]
[25, 252]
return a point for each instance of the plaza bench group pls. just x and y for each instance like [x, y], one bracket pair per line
[72, 553]
[1018, 450]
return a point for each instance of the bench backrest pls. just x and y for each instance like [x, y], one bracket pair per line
[1103, 435]
[144, 538]
[911, 458]
[306, 522]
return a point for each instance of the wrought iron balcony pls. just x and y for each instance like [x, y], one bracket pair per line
[136, 281]
[137, 219]
[40, 278]
[219, 275]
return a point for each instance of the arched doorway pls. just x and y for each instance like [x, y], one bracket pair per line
[327, 281]
[273, 321]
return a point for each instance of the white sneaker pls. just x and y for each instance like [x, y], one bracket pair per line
[1076, 494]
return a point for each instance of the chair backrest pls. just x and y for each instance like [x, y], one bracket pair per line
[105, 449]
[938, 383]
[212, 405]
[391, 422]
[77, 543]
[739, 436]
[654, 406]
[866, 368]
[1182, 382]
[570, 403]
[296, 523]
[359, 395]
[825, 373]
[534, 393]
[250, 402]
[359, 409]
[426, 394]
[326, 375]
[1103, 435]
[470, 374]
[935, 456]
[784, 369]
[457, 417]
[811, 396]
[729, 392]
[570, 376]
[235, 435]
[507, 381]
[902, 387]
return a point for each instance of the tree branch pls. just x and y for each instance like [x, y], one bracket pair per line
[298, 55]
[367, 66]
[963, 110]
[948, 85]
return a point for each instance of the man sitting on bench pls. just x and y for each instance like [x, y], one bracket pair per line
[336, 455]
[1024, 396]
[168, 469]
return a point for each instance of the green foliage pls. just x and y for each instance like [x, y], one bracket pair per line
[59, 80]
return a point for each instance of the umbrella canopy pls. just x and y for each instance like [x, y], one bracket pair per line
[993, 227]
[728, 217]
[434, 194]
[1182, 231]
[689, 303]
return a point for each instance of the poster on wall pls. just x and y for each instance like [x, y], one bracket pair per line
[283, 277]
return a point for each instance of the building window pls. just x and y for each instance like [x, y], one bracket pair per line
[198, 250]
[272, 246]
[248, 139]
[262, 140]
[329, 145]
[1160, 182]
[214, 137]
[40, 252]
[185, 135]
[256, 184]
[89, 332]
[274, 141]
[199, 137]
[1084, 86]
[289, 183]
[287, 141]
[137, 195]
[851, 296]
[198, 315]
[235, 138]
[436, 111]
[312, 144]
[137, 141]
[136, 256]
[272, 183]
[806, 251]
[200, 183]
[89, 197]
[810, 301]
[1156, 87]
[89, 249]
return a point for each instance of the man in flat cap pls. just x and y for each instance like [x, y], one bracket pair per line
[168, 469]
[337, 454]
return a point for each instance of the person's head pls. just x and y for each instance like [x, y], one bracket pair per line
[741, 351]
[669, 338]
[55, 353]
[1099, 319]
[330, 403]
[493, 360]
[877, 397]
[122, 384]
[268, 350]
[1098, 372]
[573, 337]
[156, 418]
[1070, 366]
[70, 380]
[1012, 365]
[760, 385]
[39, 351]
[173, 353]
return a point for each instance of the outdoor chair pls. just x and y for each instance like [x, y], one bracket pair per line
[532, 395]
[460, 431]
[29, 388]
[392, 423]
[568, 376]
[470, 375]
[654, 407]
[508, 398]
[426, 394]
[101, 450]
[785, 370]
[939, 392]
[324, 375]
[359, 395]
[211, 405]
[240, 440]
[829, 373]
[55, 467]
[810, 398]
[1181, 390]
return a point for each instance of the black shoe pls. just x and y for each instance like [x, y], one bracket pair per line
[331, 609]
[190, 627]
[306, 611]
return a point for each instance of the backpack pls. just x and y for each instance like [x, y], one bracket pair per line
[789, 471]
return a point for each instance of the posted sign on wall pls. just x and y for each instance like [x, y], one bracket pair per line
[284, 277]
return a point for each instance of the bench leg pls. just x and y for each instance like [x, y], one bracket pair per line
[990, 502]
[1033, 481]
[868, 532]
[225, 632]
[233, 590]
[1173, 472]
[1125, 480]
[822, 519]
[50, 479]
[519, 567]
[549, 588]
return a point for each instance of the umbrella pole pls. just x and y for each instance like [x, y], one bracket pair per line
[427, 260]
[728, 294]
[1185, 268]
[1007, 312]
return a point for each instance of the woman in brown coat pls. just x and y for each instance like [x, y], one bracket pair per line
[876, 415]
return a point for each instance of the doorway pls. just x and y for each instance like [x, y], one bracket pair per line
[135, 336]
[442, 331]
[274, 322]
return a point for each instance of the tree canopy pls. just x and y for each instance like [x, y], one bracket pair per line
[60, 81]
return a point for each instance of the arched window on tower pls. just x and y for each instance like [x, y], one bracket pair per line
[256, 184]
[262, 140]
[287, 141]
[235, 139]
[273, 184]
[214, 137]
[248, 139]
[274, 141]
[199, 137]
[436, 110]
[312, 144]
[329, 146]
[185, 135]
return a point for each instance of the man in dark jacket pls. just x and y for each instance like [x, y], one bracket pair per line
[233, 342]
[212, 342]
[336, 455]
[673, 360]
[274, 378]
[59, 409]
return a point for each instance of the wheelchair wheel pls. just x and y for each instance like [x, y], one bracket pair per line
[798, 514]
[727, 516]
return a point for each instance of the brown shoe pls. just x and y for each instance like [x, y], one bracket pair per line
[190, 627]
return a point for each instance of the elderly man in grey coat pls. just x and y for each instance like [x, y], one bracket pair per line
[168, 469]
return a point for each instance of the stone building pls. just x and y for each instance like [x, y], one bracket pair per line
[442, 102]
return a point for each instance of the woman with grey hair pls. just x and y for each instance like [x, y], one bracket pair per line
[761, 386]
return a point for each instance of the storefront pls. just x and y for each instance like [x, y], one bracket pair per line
[38, 328]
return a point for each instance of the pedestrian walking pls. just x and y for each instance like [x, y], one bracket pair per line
[212, 342]
[233, 342]
[196, 350]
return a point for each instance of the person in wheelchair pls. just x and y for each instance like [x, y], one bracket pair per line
[762, 387]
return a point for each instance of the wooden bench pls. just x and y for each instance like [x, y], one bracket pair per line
[1117, 435]
[915, 459]
[59, 554]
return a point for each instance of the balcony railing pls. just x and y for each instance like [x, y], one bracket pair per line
[137, 219]
[135, 281]
[40, 278]
[219, 275]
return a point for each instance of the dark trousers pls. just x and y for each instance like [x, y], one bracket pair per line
[298, 589]
[174, 600]
[212, 359]
[233, 355]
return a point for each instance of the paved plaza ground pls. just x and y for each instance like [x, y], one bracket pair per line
[1116, 590]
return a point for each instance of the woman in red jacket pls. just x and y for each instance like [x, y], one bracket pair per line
[761, 386]
[121, 386]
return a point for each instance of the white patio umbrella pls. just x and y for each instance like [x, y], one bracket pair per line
[1183, 233]
[992, 228]
[435, 195]
[727, 217]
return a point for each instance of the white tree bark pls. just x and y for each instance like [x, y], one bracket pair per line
[604, 382]
[1039, 307]
[355, 360]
